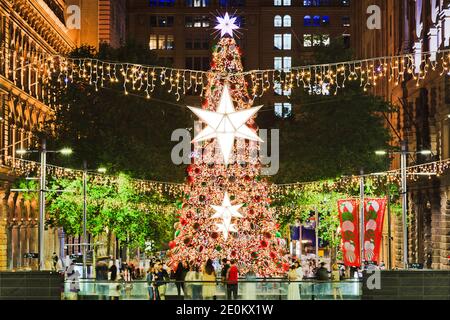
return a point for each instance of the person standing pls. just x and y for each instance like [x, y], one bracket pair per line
[161, 279]
[113, 270]
[55, 261]
[180, 275]
[300, 275]
[232, 281]
[196, 285]
[209, 278]
[293, 292]
[150, 284]
[336, 278]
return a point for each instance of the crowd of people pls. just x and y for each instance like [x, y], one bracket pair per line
[202, 283]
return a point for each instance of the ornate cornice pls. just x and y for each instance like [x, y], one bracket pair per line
[36, 19]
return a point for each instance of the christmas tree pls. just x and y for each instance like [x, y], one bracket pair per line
[225, 212]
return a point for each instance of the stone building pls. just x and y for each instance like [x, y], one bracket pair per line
[30, 30]
[422, 119]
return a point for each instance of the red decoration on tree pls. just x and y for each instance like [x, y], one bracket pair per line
[253, 244]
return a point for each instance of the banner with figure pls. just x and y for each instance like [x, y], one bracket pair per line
[373, 228]
[349, 218]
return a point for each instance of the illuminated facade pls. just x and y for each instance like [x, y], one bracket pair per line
[422, 119]
[274, 33]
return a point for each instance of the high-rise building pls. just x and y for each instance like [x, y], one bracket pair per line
[102, 21]
[276, 34]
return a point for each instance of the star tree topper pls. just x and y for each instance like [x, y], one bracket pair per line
[226, 25]
[226, 212]
[226, 124]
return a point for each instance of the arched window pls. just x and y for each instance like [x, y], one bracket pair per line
[287, 21]
[316, 21]
[307, 22]
[278, 21]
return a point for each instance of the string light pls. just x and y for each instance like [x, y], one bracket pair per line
[313, 78]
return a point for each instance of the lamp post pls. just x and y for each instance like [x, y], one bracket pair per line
[404, 190]
[42, 190]
[84, 240]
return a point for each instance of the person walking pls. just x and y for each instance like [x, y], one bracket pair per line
[293, 292]
[322, 276]
[209, 284]
[232, 281]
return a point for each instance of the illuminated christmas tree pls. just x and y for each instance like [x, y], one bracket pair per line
[225, 212]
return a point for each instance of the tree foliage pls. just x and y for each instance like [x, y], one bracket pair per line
[112, 208]
[332, 135]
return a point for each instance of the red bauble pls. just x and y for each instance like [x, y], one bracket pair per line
[251, 212]
[183, 222]
[273, 255]
[190, 169]
[172, 244]
[214, 235]
[190, 179]
[257, 198]
[233, 253]
[267, 235]
[197, 170]
[286, 267]
[196, 226]
[187, 241]
[264, 244]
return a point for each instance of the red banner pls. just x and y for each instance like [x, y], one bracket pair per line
[349, 218]
[373, 228]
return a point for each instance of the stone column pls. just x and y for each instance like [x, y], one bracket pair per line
[3, 233]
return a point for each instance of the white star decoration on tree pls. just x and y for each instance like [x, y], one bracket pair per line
[226, 212]
[226, 124]
[226, 25]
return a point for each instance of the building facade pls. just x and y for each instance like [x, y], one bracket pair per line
[422, 119]
[274, 33]
[31, 31]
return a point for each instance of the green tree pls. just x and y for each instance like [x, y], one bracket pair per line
[332, 135]
[126, 133]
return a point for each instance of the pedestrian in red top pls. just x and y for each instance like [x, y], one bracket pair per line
[232, 281]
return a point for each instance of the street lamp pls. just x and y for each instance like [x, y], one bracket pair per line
[42, 189]
[403, 164]
[84, 240]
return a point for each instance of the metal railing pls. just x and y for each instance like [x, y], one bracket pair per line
[255, 289]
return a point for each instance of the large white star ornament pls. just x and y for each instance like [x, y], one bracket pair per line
[226, 25]
[226, 124]
[226, 212]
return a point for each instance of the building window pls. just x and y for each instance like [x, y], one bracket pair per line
[161, 42]
[307, 40]
[316, 40]
[283, 110]
[231, 3]
[346, 21]
[197, 3]
[307, 21]
[196, 21]
[197, 44]
[161, 22]
[282, 41]
[162, 3]
[287, 21]
[197, 63]
[278, 21]
[282, 63]
[284, 3]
